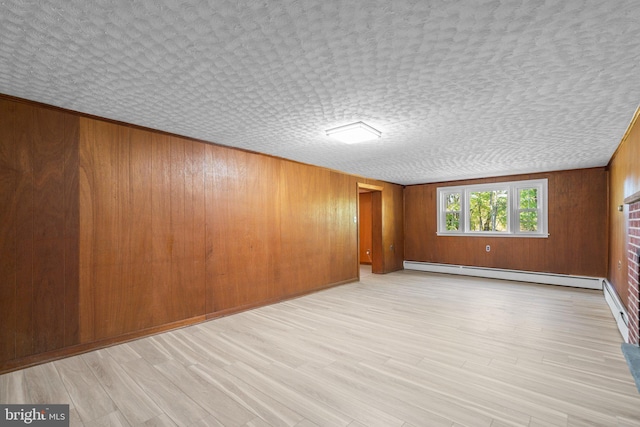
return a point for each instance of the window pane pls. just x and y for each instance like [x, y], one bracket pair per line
[453, 221]
[529, 198]
[453, 202]
[529, 221]
[488, 210]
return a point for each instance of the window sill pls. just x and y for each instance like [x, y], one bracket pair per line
[526, 236]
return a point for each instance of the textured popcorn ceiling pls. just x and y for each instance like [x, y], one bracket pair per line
[460, 89]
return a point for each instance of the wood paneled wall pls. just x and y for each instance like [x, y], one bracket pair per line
[393, 228]
[38, 230]
[142, 221]
[624, 180]
[364, 213]
[111, 231]
[577, 243]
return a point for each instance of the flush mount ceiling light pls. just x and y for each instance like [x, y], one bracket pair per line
[354, 133]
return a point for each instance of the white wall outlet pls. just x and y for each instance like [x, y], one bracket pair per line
[488, 248]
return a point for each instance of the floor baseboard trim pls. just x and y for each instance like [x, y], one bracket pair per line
[517, 275]
[617, 309]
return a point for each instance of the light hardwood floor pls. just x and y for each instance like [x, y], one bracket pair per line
[403, 349]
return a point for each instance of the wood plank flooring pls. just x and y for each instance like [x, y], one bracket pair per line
[404, 349]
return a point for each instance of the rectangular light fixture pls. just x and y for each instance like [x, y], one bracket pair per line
[354, 133]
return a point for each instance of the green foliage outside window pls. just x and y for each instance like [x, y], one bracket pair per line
[453, 211]
[529, 198]
[528, 206]
[516, 208]
[489, 210]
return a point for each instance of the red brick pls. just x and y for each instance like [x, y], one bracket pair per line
[633, 252]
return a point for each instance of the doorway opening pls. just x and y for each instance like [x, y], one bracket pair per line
[370, 228]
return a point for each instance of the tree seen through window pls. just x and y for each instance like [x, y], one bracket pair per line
[528, 209]
[453, 211]
[489, 210]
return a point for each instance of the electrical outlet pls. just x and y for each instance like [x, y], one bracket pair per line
[488, 248]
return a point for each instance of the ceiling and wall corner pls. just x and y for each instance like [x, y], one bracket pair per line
[460, 89]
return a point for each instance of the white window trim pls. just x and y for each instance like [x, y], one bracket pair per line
[513, 219]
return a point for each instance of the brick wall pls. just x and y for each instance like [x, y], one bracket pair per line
[634, 280]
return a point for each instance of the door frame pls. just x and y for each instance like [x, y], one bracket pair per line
[377, 258]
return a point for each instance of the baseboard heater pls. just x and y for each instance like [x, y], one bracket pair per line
[618, 309]
[517, 275]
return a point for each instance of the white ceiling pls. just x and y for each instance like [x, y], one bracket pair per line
[460, 89]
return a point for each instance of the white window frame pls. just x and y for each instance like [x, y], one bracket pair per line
[513, 218]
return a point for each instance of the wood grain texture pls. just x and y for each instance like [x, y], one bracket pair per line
[393, 227]
[39, 214]
[243, 228]
[624, 180]
[148, 204]
[25, 238]
[9, 178]
[142, 232]
[377, 234]
[116, 231]
[187, 222]
[387, 225]
[577, 226]
[216, 229]
[343, 231]
[71, 194]
[86, 292]
[408, 348]
[110, 203]
[305, 243]
[364, 227]
[48, 230]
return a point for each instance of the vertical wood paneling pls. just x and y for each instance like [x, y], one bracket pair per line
[577, 226]
[262, 215]
[111, 204]
[243, 227]
[342, 229]
[178, 237]
[141, 232]
[377, 234]
[624, 181]
[109, 241]
[194, 304]
[578, 221]
[125, 307]
[419, 203]
[48, 230]
[9, 177]
[88, 137]
[187, 260]
[618, 225]
[215, 169]
[365, 228]
[387, 226]
[161, 239]
[305, 230]
[109, 230]
[24, 119]
[392, 227]
[38, 270]
[226, 178]
[71, 197]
